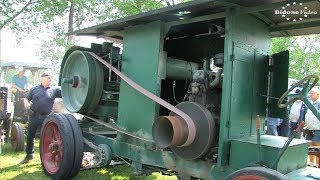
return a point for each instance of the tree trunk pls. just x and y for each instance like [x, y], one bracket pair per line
[168, 3]
[70, 26]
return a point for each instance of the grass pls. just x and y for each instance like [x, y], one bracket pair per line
[10, 169]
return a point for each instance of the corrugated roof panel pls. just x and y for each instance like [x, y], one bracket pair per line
[283, 17]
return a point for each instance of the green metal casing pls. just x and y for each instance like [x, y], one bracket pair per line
[245, 79]
[279, 73]
[244, 93]
[140, 62]
[244, 97]
[244, 152]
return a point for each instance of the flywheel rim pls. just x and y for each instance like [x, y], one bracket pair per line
[81, 82]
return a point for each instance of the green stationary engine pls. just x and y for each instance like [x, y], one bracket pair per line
[182, 94]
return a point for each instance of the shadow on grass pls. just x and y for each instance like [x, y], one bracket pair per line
[123, 172]
[11, 169]
[30, 176]
[26, 171]
[20, 167]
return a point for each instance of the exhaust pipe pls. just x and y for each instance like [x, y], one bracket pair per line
[170, 131]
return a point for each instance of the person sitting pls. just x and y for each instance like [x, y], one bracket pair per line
[19, 88]
[19, 82]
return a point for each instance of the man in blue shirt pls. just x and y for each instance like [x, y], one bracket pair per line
[19, 82]
[42, 97]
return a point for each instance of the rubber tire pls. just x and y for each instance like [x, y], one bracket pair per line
[67, 158]
[17, 131]
[78, 144]
[260, 173]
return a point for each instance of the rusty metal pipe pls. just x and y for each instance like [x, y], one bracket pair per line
[170, 131]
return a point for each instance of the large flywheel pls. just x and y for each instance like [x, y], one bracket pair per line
[170, 131]
[205, 125]
[81, 82]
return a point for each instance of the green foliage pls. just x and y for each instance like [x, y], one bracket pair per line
[9, 75]
[304, 54]
[280, 44]
[124, 8]
[54, 19]
[51, 18]
[52, 53]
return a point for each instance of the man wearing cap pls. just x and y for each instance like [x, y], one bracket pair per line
[42, 97]
[19, 81]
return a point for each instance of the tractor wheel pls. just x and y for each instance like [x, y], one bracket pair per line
[256, 173]
[17, 137]
[58, 144]
[78, 144]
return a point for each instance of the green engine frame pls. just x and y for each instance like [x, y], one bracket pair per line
[250, 75]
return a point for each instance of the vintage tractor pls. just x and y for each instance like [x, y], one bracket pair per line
[5, 120]
[184, 94]
[16, 119]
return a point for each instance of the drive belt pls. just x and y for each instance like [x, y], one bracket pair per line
[188, 120]
[114, 127]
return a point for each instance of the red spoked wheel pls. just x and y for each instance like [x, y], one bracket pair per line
[51, 147]
[60, 148]
[256, 173]
[17, 137]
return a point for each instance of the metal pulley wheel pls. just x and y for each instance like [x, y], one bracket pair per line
[81, 82]
[206, 131]
[171, 131]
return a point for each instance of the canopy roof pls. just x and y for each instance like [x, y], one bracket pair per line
[284, 18]
[25, 65]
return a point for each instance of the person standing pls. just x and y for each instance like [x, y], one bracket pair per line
[272, 126]
[296, 116]
[277, 126]
[313, 124]
[42, 97]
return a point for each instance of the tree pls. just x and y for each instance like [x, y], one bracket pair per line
[123, 8]
[304, 58]
[55, 20]
[10, 13]
[58, 19]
